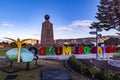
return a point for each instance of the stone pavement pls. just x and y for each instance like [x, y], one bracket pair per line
[55, 75]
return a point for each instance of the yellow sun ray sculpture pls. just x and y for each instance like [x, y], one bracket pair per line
[19, 43]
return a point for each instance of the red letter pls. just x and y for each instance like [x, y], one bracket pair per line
[93, 50]
[79, 50]
[42, 51]
[58, 50]
[110, 49]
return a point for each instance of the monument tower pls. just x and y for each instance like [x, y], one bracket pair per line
[47, 38]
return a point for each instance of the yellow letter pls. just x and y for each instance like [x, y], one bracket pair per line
[99, 49]
[67, 50]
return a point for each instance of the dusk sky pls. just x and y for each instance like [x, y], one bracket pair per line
[70, 18]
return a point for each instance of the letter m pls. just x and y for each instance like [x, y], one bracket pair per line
[66, 50]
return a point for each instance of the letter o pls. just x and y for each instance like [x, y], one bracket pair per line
[86, 50]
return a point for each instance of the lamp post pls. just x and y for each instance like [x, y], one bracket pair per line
[96, 43]
[96, 33]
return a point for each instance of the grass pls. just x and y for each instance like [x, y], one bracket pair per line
[2, 75]
[3, 51]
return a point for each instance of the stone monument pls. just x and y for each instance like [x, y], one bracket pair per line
[47, 38]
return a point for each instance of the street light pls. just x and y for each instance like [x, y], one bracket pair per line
[96, 33]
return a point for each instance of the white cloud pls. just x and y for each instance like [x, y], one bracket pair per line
[81, 23]
[6, 24]
[75, 24]
[77, 28]
[37, 34]
[9, 32]
[63, 28]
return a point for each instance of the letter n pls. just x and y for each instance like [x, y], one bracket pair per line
[50, 50]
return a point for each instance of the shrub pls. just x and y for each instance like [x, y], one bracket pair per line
[118, 76]
[72, 57]
[108, 75]
[80, 67]
[83, 68]
[116, 55]
[118, 49]
[73, 62]
[94, 70]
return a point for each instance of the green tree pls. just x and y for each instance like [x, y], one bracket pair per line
[108, 15]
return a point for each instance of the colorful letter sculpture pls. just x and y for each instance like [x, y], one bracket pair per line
[25, 56]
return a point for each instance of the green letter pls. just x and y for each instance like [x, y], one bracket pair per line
[50, 50]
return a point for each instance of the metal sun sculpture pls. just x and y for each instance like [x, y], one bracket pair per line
[19, 43]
